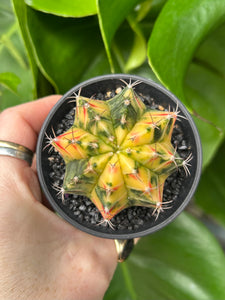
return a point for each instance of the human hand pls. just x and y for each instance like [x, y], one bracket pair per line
[41, 255]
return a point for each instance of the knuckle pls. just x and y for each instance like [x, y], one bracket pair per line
[8, 114]
[7, 111]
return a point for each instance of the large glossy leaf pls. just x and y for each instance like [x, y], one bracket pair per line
[111, 14]
[182, 261]
[64, 47]
[210, 194]
[212, 51]
[210, 56]
[205, 91]
[65, 8]
[121, 287]
[179, 29]
[204, 81]
[211, 139]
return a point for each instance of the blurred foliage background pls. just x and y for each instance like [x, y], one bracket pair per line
[49, 46]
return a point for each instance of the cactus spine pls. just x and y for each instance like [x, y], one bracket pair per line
[118, 153]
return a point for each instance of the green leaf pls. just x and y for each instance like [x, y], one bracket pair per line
[20, 12]
[130, 56]
[42, 83]
[6, 16]
[121, 286]
[211, 52]
[149, 9]
[111, 14]
[10, 80]
[11, 63]
[138, 51]
[98, 66]
[143, 9]
[210, 56]
[14, 69]
[211, 139]
[210, 195]
[179, 29]
[121, 50]
[65, 48]
[202, 87]
[146, 71]
[205, 79]
[65, 8]
[182, 261]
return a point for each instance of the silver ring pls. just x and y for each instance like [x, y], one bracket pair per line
[16, 150]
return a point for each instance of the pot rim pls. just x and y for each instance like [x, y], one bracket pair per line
[144, 231]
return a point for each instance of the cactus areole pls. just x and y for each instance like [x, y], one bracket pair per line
[118, 151]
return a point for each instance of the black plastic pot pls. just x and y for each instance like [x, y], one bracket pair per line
[153, 94]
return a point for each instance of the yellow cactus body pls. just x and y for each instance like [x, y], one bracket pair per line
[77, 143]
[118, 152]
[94, 116]
[110, 189]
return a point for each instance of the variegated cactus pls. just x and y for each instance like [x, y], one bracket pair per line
[118, 153]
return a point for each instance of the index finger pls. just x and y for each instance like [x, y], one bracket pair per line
[21, 124]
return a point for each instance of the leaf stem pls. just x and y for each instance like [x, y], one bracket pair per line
[13, 51]
[8, 34]
[208, 66]
[194, 112]
[118, 56]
